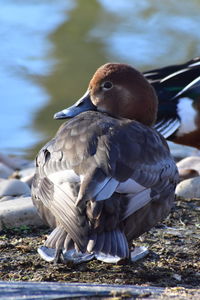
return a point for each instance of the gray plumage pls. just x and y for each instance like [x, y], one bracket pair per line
[101, 182]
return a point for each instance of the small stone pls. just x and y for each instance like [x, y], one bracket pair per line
[5, 171]
[187, 173]
[190, 163]
[189, 188]
[118, 281]
[26, 172]
[177, 277]
[17, 212]
[28, 180]
[13, 187]
[7, 198]
[173, 231]
[180, 151]
[26, 175]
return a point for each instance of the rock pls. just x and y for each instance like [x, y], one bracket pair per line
[191, 162]
[180, 151]
[26, 172]
[189, 188]
[17, 212]
[5, 171]
[13, 187]
[187, 173]
[7, 198]
[28, 180]
[26, 175]
[189, 167]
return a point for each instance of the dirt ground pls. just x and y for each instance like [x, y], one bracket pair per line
[173, 259]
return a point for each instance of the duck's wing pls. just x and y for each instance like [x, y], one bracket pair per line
[134, 186]
[54, 191]
[171, 84]
[159, 74]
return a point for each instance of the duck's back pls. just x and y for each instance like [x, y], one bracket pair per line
[103, 181]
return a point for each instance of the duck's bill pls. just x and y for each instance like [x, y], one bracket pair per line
[83, 104]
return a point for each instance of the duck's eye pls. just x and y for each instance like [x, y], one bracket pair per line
[107, 85]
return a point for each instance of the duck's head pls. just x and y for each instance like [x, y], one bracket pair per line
[120, 91]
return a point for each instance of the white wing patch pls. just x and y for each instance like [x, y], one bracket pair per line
[137, 194]
[137, 201]
[105, 189]
[129, 186]
[187, 115]
[63, 176]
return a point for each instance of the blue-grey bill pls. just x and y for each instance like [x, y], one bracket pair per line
[83, 104]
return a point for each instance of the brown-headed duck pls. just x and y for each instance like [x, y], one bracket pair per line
[107, 176]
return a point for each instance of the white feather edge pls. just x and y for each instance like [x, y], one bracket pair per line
[105, 189]
[63, 176]
[111, 185]
[138, 195]
[137, 201]
[167, 128]
[194, 64]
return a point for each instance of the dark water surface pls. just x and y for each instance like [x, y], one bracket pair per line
[49, 50]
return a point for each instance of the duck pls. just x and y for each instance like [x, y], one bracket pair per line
[107, 176]
[178, 91]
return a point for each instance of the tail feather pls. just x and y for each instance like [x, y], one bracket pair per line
[113, 243]
[54, 238]
[122, 245]
[59, 239]
[107, 246]
[107, 243]
[99, 244]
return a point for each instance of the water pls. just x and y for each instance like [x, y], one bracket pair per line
[50, 49]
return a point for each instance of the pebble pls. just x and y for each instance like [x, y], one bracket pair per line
[26, 175]
[119, 281]
[7, 198]
[17, 209]
[17, 212]
[187, 173]
[189, 188]
[13, 187]
[189, 167]
[26, 172]
[191, 163]
[28, 180]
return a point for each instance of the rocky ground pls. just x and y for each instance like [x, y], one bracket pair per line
[174, 246]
